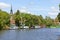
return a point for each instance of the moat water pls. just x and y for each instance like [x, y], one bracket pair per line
[31, 34]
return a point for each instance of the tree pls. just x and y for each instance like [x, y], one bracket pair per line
[49, 21]
[41, 20]
[58, 16]
[4, 19]
[17, 18]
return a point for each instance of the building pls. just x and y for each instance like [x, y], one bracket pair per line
[12, 21]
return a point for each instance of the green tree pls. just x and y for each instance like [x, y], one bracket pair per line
[17, 18]
[58, 16]
[4, 19]
[49, 21]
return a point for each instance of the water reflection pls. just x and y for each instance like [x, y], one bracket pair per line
[30, 34]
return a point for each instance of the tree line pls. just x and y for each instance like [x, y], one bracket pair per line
[27, 19]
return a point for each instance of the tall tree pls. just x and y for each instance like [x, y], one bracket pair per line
[58, 16]
[17, 18]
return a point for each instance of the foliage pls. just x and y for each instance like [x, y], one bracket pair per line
[49, 21]
[58, 17]
[27, 19]
[17, 18]
[4, 19]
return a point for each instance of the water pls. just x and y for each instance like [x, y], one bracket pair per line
[30, 34]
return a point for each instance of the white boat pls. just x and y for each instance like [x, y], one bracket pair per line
[26, 27]
[13, 27]
[37, 26]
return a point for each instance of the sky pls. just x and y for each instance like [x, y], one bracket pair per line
[36, 7]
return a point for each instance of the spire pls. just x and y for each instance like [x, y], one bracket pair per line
[59, 7]
[11, 11]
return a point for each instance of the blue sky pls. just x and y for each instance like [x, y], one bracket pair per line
[36, 7]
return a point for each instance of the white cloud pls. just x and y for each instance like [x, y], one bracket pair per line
[4, 5]
[53, 12]
[24, 10]
[54, 9]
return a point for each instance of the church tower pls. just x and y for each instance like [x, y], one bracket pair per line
[12, 21]
[11, 11]
[59, 8]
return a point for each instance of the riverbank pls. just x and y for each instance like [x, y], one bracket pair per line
[27, 27]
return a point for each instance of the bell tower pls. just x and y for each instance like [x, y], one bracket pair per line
[12, 21]
[59, 8]
[11, 11]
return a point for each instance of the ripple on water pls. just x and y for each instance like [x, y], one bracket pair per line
[31, 34]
